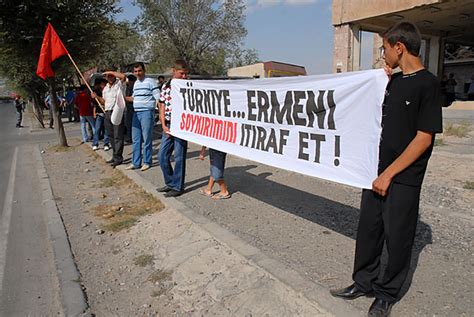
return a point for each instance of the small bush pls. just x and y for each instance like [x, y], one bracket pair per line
[143, 260]
[468, 185]
[457, 130]
[438, 142]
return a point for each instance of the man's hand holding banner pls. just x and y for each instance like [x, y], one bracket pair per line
[327, 126]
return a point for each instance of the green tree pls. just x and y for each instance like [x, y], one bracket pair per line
[208, 34]
[84, 27]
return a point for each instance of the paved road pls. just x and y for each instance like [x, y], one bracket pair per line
[28, 282]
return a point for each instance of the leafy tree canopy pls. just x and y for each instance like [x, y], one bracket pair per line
[208, 34]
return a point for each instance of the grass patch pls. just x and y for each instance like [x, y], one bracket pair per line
[117, 179]
[439, 142]
[143, 260]
[457, 130]
[120, 224]
[160, 276]
[468, 185]
[134, 202]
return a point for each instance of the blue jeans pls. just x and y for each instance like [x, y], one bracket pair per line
[217, 162]
[174, 179]
[99, 125]
[142, 130]
[85, 134]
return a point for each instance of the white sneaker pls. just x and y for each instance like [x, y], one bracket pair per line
[106, 147]
[95, 148]
[131, 167]
[145, 167]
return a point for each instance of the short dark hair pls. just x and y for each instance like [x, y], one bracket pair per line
[180, 64]
[161, 77]
[406, 33]
[139, 64]
[99, 81]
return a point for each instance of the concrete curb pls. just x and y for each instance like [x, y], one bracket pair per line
[314, 292]
[72, 297]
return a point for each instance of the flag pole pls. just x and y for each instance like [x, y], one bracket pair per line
[85, 81]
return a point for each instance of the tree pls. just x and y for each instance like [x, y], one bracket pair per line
[83, 26]
[206, 33]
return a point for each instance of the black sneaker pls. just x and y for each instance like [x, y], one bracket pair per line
[173, 193]
[164, 189]
[110, 161]
[115, 163]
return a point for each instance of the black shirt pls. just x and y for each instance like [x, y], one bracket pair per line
[412, 103]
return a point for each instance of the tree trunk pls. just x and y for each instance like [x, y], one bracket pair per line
[38, 108]
[58, 126]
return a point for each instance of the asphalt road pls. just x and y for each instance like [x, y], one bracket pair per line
[28, 282]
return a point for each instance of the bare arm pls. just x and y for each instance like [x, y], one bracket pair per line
[413, 151]
[119, 75]
[95, 96]
[162, 118]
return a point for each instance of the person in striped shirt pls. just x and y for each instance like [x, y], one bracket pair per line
[145, 98]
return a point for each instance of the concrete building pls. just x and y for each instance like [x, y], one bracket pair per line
[443, 24]
[267, 69]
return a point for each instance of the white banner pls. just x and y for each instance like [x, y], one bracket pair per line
[327, 126]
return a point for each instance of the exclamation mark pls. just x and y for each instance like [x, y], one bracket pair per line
[337, 150]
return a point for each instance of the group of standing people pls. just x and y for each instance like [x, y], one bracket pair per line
[142, 98]
[389, 211]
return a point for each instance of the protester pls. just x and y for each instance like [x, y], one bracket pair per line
[70, 96]
[86, 114]
[174, 179]
[451, 89]
[470, 92]
[161, 81]
[49, 105]
[129, 111]
[19, 111]
[389, 212]
[217, 165]
[114, 87]
[99, 117]
[145, 96]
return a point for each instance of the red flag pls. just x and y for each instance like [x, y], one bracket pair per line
[51, 49]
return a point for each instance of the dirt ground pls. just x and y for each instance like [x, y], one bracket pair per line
[117, 283]
[109, 221]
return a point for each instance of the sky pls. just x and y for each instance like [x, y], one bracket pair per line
[292, 31]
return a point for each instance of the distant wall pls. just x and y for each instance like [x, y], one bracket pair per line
[345, 11]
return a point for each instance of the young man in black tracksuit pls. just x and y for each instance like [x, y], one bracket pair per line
[389, 211]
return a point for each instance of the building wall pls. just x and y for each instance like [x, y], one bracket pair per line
[255, 70]
[346, 48]
[345, 11]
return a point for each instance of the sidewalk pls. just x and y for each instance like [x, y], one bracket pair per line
[299, 232]
[221, 275]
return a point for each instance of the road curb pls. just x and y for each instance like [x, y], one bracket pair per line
[72, 297]
[313, 291]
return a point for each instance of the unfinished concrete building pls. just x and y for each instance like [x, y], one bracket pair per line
[447, 27]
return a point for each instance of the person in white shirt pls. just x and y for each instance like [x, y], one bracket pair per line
[115, 85]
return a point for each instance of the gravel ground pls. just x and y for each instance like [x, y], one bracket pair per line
[310, 224]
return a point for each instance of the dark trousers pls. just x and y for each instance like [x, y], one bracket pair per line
[128, 122]
[116, 135]
[19, 116]
[391, 219]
